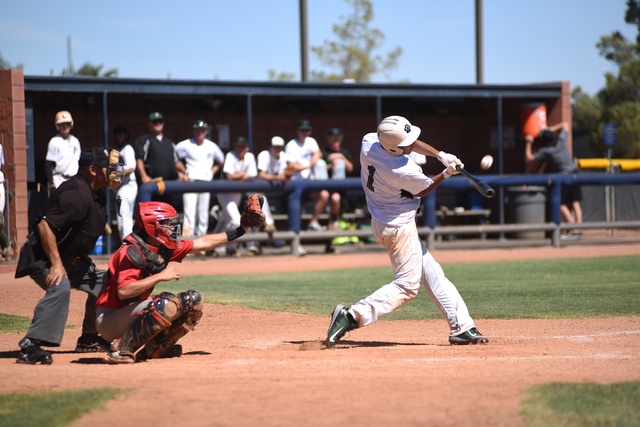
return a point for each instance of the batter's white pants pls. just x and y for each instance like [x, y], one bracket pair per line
[128, 194]
[196, 213]
[412, 265]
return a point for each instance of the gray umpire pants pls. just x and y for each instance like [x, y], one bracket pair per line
[50, 315]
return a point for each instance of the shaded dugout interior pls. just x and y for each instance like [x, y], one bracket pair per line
[467, 120]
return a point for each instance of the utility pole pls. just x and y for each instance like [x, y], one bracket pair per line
[304, 43]
[70, 70]
[479, 44]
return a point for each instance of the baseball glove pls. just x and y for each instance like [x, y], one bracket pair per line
[252, 215]
[289, 171]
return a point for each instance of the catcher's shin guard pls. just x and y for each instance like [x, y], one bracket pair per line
[156, 317]
[160, 346]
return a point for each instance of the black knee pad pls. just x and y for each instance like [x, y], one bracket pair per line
[191, 301]
[168, 307]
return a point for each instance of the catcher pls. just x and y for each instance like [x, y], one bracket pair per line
[127, 314]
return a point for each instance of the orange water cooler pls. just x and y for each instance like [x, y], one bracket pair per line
[533, 118]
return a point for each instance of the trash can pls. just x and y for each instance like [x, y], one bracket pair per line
[527, 205]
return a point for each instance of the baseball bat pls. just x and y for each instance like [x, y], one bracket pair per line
[478, 184]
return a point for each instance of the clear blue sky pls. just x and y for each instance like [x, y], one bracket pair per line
[524, 41]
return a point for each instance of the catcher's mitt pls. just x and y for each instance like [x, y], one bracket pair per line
[252, 215]
[289, 171]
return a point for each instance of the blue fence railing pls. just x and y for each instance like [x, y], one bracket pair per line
[294, 190]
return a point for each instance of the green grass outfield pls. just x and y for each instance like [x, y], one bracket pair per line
[527, 289]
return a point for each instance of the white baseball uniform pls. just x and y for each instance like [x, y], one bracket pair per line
[389, 183]
[65, 153]
[302, 154]
[128, 191]
[272, 166]
[229, 218]
[200, 160]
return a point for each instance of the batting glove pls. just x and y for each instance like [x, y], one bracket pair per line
[446, 158]
[450, 170]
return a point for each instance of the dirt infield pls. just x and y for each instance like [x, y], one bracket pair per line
[250, 367]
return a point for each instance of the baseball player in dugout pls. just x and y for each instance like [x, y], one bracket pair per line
[63, 152]
[156, 158]
[393, 185]
[128, 314]
[56, 255]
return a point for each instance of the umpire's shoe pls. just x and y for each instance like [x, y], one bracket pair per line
[341, 322]
[32, 354]
[472, 336]
[91, 343]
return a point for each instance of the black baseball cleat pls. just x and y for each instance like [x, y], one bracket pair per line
[92, 343]
[174, 351]
[341, 322]
[472, 336]
[32, 354]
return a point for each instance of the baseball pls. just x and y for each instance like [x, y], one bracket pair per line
[486, 162]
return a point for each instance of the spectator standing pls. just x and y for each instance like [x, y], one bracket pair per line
[63, 152]
[128, 190]
[271, 167]
[5, 243]
[203, 159]
[56, 257]
[303, 154]
[239, 165]
[156, 159]
[556, 154]
[339, 164]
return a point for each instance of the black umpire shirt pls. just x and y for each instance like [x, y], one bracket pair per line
[158, 155]
[76, 215]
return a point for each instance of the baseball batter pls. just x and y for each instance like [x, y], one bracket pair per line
[63, 152]
[393, 185]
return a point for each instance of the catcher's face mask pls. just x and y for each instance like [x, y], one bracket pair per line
[115, 170]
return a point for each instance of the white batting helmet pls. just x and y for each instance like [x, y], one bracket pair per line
[395, 132]
[64, 117]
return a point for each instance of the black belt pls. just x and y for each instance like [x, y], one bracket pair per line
[70, 259]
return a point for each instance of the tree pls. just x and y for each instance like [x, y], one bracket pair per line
[5, 65]
[353, 53]
[281, 77]
[88, 69]
[619, 101]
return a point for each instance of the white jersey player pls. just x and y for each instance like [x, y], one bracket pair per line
[63, 152]
[271, 166]
[393, 184]
[203, 158]
[239, 165]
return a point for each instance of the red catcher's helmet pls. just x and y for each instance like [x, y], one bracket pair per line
[159, 220]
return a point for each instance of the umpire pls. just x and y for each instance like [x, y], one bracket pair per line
[56, 257]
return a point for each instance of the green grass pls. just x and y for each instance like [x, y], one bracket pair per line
[10, 323]
[586, 405]
[51, 409]
[530, 289]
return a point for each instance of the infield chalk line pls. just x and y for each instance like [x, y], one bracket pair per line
[581, 337]
[440, 359]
